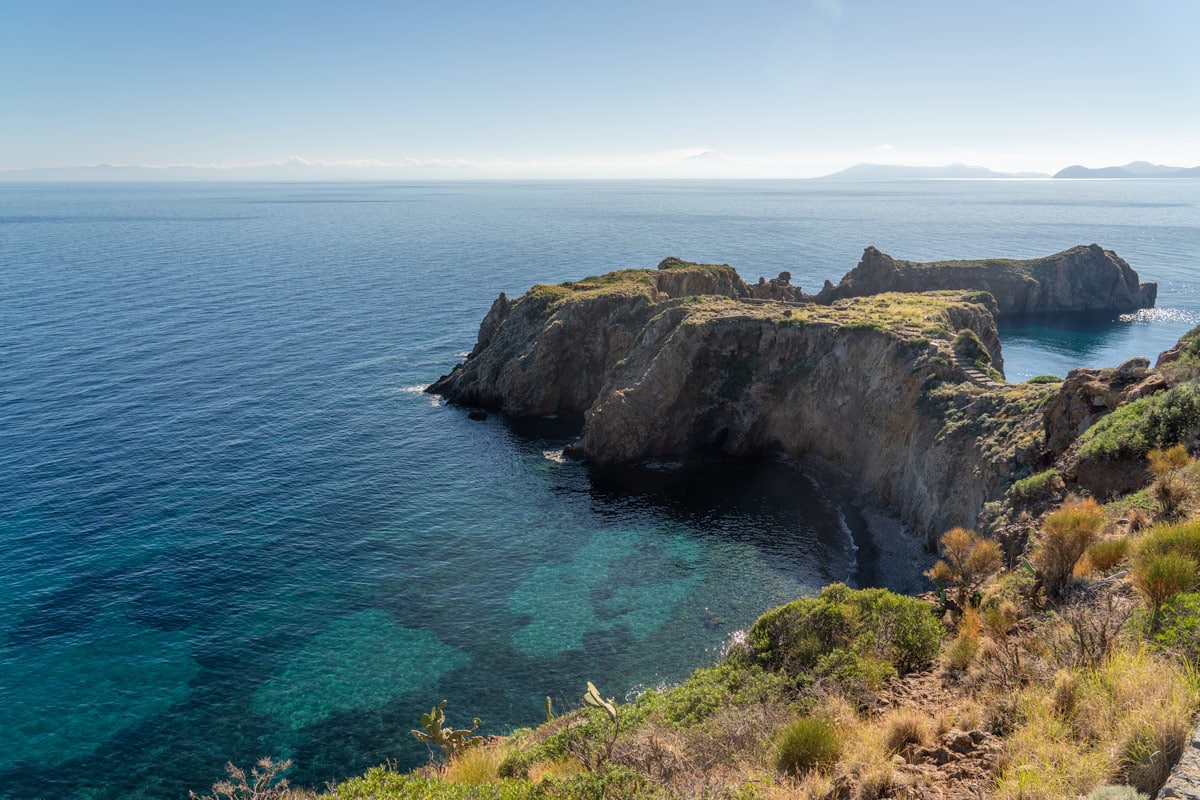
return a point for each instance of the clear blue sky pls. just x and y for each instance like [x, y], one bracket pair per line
[754, 88]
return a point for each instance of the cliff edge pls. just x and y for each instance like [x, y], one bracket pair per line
[665, 362]
[1084, 278]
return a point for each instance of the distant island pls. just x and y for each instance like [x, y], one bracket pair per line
[898, 172]
[1134, 169]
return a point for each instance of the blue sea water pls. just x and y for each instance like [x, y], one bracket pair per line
[231, 525]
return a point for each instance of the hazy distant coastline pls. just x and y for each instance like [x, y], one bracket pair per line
[295, 169]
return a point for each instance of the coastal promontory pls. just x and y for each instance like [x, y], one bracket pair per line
[1083, 278]
[666, 362]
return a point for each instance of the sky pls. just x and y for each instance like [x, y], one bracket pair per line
[514, 89]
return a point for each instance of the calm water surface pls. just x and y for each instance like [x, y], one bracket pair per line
[231, 525]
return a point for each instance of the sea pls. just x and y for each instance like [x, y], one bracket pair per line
[232, 525]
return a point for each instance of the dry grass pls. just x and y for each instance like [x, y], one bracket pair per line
[1107, 553]
[474, 765]
[1125, 719]
[561, 768]
[967, 561]
[1067, 533]
[1158, 578]
[904, 729]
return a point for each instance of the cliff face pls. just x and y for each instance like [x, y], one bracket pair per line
[661, 368]
[551, 350]
[1084, 278]
[856, 397]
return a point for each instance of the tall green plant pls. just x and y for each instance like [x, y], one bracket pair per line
[451, 740]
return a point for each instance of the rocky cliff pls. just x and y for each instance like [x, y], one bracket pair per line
[1084, 278]
[666, 362]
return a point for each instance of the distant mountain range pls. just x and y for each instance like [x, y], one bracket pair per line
[1134, 169]
[284, 171]
[894, 172]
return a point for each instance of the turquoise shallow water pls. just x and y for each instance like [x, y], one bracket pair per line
[232, 526]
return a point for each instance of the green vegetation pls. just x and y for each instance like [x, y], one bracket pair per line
[968, 345]
[1040, 486]
[1045, 379]
[912, 317]
[728, 684]
[807, 744]
[1006, 422]
[452, 741]
[1160, 420]
[847, 634]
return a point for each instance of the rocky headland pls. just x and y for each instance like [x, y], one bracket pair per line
[1084, 278]
[895, 376]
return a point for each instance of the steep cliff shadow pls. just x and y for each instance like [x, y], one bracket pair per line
[765, 502]
[799, 521]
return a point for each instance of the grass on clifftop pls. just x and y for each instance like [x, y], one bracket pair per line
[909, 315]
[629, 282]
[1022, 267]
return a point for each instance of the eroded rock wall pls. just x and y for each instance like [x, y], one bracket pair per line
[857, 398]
[1084, 278]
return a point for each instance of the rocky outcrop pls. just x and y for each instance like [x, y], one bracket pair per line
[678, 278]
[551, 350]
[777, 288]
[1084, 278]
[1089, 394]
[661, 371]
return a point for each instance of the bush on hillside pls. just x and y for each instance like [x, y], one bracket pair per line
[807, 744]
[1160, 420]
[872, 624]
[1067, 533]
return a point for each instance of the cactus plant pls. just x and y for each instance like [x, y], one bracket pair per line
[451, 740]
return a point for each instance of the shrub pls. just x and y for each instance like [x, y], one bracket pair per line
[474, 765]
[968, 560]
[1066, 535]
[968, 344]
[1160, 577]
[903, 730]
[1040, 486]
[1168, 460]
[869, 623]
[265, 782]
[711, 689]
[613, 783]
[1116, 793]
[1151, 750]
[1045, 379]
[1178, 628]
[962, 650]
[1156, 421]
[1107, 553]
[1182, 538]
[807, 744]
[1172, 494]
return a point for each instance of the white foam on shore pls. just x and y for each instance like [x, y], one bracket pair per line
[557, 456]
[841, 518]
[418, 390]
